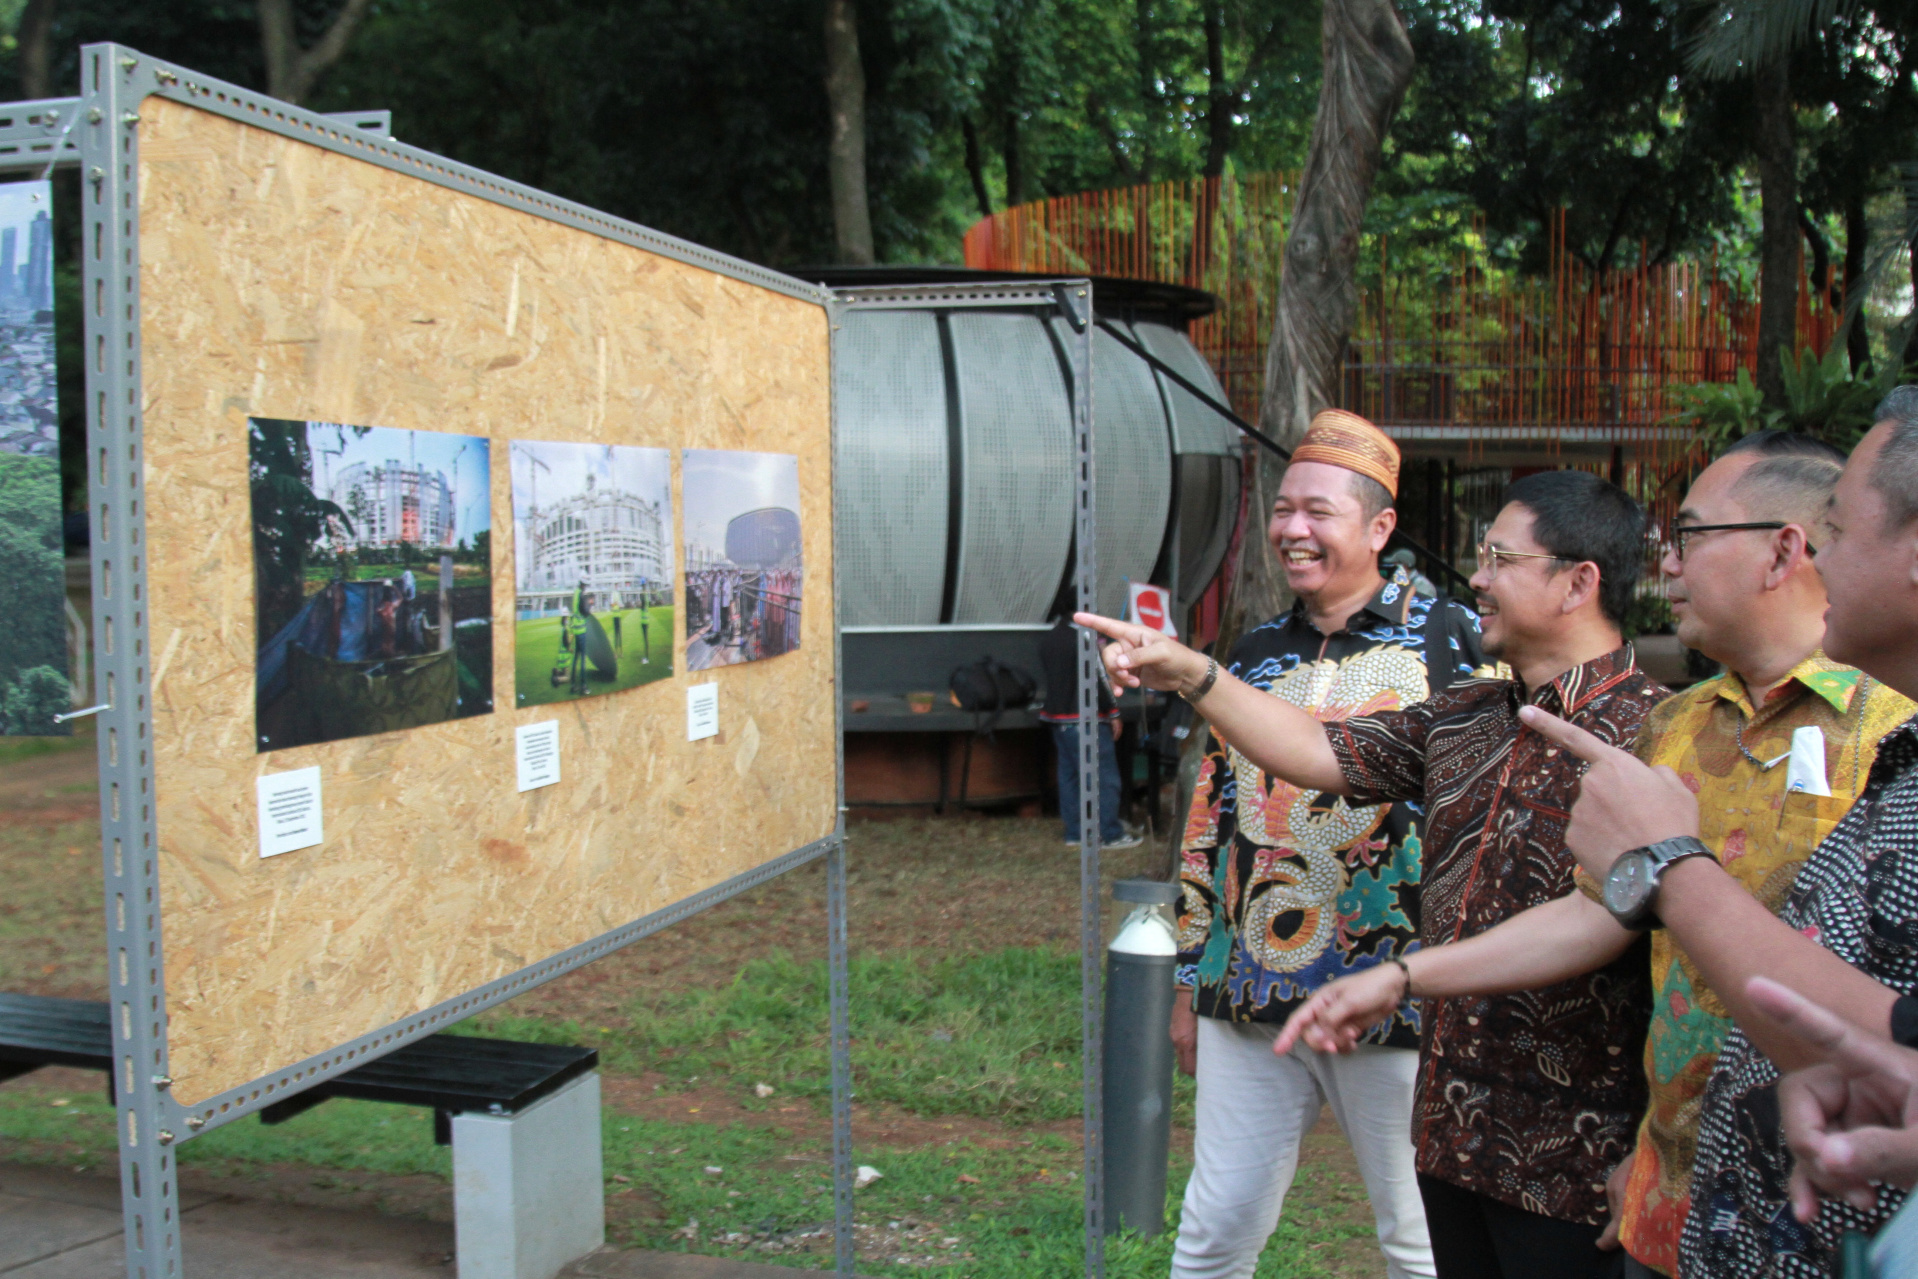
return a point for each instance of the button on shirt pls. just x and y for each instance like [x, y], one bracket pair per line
[1531, 1098]
[1762, 832]
[1857, 896]
[1286, 890]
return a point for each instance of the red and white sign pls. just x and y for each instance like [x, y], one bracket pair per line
[1151, 606]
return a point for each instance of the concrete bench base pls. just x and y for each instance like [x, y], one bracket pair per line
[528, 1189]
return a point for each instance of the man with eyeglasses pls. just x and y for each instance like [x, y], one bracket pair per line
[1526, 1101]
[1847, 935]
[1745, 592]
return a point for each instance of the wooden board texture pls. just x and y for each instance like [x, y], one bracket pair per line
[282, 280]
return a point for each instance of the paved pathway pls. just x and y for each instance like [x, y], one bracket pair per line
[58, 1225]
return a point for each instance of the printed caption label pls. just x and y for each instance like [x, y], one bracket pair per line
[538, 749]
[702, 711]
[289, 811]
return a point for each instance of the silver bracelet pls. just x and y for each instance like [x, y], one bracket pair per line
[1205, 685]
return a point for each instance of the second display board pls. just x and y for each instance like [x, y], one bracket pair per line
[423, 471]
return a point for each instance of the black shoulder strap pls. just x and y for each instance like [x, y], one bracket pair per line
[1439, 671]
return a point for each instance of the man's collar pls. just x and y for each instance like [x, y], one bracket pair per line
[1833, 681]
[1574, 688]
[1391, 603]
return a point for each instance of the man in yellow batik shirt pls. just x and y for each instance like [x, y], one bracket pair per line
[1776, 749]
[1714, 738]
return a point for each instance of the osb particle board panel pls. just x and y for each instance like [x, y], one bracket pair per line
[282, 280]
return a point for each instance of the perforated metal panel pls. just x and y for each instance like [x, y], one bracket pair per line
[893, 467]
[1132, 452]
[1208, 503]
[1195, 428]
[1015, 445]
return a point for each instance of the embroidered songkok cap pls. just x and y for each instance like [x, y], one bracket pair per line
[1338, 438]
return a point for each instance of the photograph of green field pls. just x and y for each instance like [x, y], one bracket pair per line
[593, 530]
[641, 640]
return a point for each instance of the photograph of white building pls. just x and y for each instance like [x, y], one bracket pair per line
[593, 568]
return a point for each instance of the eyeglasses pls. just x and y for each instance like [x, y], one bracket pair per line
[1676, 533]
[1489, 557]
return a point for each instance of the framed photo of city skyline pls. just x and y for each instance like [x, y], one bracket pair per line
[33, 644]
[745, 575]
[372, 567]
[593, 569]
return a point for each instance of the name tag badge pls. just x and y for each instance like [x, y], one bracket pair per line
[1805, 772]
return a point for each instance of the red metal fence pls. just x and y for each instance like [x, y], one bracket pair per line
[1463, 351]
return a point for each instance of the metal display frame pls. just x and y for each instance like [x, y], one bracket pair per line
[1070, 299]
[98, 132]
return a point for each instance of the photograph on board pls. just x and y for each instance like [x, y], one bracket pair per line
[744, 578]
[372, 577]
[33, 644]
[593, 575]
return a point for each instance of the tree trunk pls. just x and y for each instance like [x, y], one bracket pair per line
[1219, 96]
[1368, 63]
[1777, 154]
[291, 72]
[35, 35]
[976, 166]
[846, 159]
[1015, 165]
[1857, 245]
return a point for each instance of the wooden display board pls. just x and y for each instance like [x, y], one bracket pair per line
[282, 279]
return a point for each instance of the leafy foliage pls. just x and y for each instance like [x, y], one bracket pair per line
[1824, 398]
[33, 644]
[288, 518]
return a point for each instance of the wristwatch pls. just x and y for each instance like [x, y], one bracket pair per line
[1631, 886]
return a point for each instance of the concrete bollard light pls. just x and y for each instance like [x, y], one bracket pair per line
[1138, 1057]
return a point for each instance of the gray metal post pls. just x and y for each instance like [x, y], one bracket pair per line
[1138, 1058]
[110, 209]
[1077, 302]
[842, 1210]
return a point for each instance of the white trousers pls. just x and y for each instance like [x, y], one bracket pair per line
[1253, 1112]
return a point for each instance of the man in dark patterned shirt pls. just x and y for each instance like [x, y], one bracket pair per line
[1285, 890]
[1847, 938]
[1525, 1101]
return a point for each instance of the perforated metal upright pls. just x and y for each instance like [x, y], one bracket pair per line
[1069, 302]
[1075, 300]
[108, 143]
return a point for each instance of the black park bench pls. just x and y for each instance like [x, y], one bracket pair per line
[522, 1119]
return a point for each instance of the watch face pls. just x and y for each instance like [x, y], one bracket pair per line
[1629, 885]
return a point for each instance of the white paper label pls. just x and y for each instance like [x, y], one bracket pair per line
[702, 711]
[538, 746]
[1806, 771]
[289, 811]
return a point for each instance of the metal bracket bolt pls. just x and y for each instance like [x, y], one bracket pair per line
[195, 1122]
[163, 1081]
[166, 1137]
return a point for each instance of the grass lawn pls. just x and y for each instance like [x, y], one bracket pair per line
[536, 648]
[965, 1007]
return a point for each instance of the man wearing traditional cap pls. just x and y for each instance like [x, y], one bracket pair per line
[1287, 889]
[1525, 1101]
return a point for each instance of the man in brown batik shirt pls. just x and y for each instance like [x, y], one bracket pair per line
[1526, 1101]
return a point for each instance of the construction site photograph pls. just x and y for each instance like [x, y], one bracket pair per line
[593, 576]
[372, 563]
